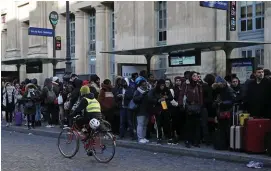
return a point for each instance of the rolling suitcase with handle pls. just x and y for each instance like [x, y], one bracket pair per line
[236, 132]
[255, 131]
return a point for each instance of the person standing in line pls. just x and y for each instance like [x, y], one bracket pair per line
[141, 99]
[9, 101]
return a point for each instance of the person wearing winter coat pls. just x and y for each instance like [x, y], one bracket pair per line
[48, 95]
[123, 96]
[95, 83]
[141, 100]
[158, 96]
[107, 102]
[38, 104]
[30, 97]
[9, 101]
[191, 99]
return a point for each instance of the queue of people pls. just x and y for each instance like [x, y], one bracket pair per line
[182, 109]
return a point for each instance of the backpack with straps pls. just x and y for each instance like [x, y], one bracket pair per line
[51, 96]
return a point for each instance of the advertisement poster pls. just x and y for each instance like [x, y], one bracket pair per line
[127, 70]
[243, 70]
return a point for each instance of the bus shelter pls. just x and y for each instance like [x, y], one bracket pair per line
[226, 46]
[23, 61]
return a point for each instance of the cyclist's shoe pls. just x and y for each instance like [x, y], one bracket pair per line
[90, 153]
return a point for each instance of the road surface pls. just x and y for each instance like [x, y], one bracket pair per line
[22, 152]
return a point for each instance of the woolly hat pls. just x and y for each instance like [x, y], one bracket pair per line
[85, 82]
[84, 90]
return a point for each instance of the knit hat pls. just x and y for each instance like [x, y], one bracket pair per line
[85, 82]
[219, 79]
[84, 90]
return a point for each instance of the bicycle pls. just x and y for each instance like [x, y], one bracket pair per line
[89, 140]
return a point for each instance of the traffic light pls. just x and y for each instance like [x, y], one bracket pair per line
[58, 42]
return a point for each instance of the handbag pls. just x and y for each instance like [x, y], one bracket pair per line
[132, 105]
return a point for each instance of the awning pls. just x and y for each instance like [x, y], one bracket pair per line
[22, 61]
[202, 46]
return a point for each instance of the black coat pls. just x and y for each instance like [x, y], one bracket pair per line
[141, 99]
[258, 98]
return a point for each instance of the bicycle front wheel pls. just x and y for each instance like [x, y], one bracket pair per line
[105, 145]
[66, 139]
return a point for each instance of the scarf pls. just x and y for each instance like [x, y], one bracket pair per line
[8, 94]
[95, 86]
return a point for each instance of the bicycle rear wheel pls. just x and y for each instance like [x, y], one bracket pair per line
[103, 142]
[68, 137]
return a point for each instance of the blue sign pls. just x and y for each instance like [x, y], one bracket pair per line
[35, 31]
[223, 5]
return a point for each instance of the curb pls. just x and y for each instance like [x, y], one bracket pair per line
[182, 151]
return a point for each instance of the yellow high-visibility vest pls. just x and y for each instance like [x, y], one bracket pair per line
[93, 106]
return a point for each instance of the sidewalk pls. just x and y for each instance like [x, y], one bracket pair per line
[203, 152]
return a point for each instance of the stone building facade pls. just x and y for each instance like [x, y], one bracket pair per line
[105, 26]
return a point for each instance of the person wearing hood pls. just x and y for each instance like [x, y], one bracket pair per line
[142, 76]
[9, 101]
[37, 103]
[158, 96]
[30, 97]
[48, 95]
[141, 100]
[123, 96]
[191, 99]
[224, 99]
[107, 102]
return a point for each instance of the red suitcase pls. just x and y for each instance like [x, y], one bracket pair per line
[255, 130]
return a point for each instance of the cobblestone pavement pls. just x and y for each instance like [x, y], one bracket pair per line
[22, 152]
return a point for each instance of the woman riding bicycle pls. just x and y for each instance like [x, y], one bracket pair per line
[91, 107]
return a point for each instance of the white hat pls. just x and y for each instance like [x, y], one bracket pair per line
[55, 79]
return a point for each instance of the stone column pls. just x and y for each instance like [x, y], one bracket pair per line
[108, 40]
[267, 35]
[3, 44]
[23, 47]
[101, 60]
[220, 56]
[38, 18]
[12, 32]
[80, 51]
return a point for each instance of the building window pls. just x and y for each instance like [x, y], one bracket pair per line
[72, 40]
[112, 38]
[251, 15]
[92, 43]
[161, 22]
[247, 54]
[259, 55]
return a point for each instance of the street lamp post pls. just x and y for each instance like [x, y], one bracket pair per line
[68, 39]
[53, 18]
